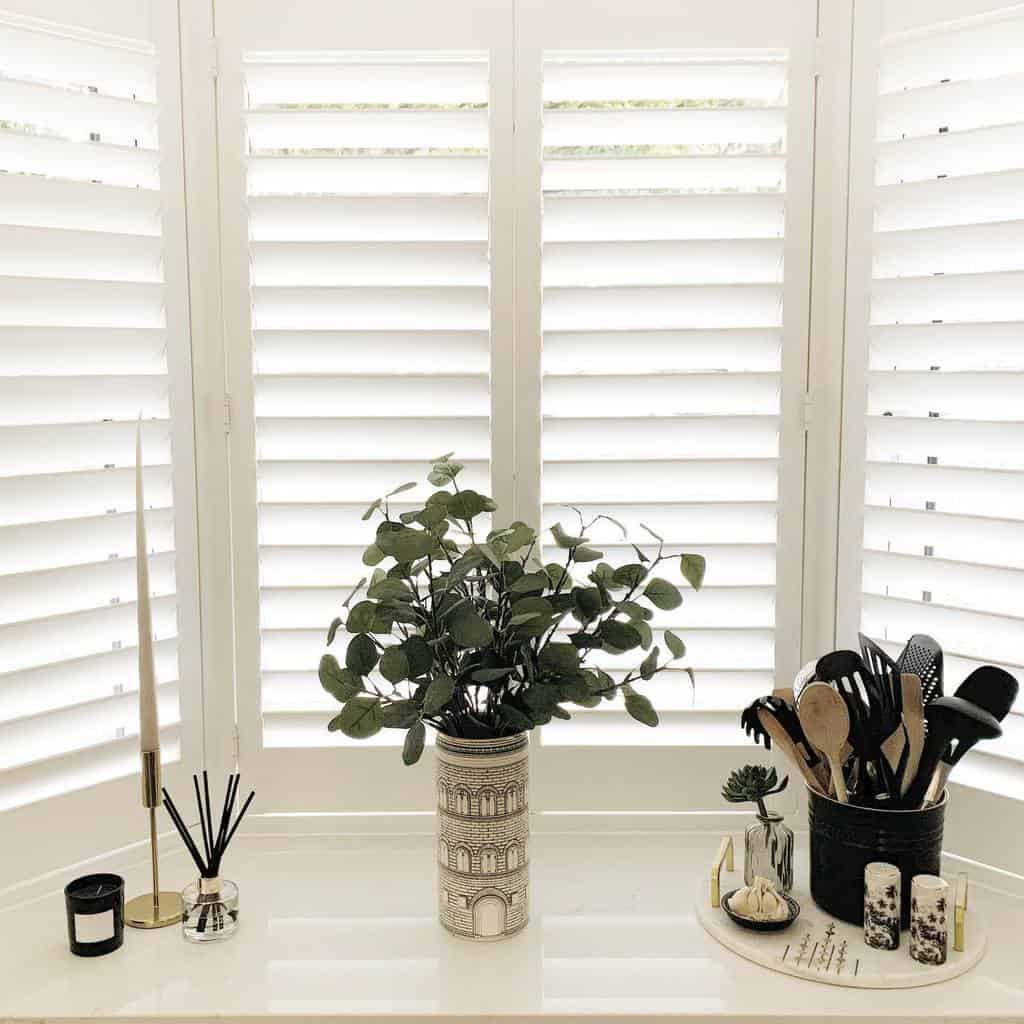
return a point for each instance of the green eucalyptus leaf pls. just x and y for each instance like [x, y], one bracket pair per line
[635, 611]
[566, 540]
[693, 568]
[468, 629]
[360, 718]
[640, 708]
[332, 632]
[373, 555]
[412, 748]
[644, 629]
[585, 641]
[362, 617]
[649, 665]
[419, 656]
[400, 714]
[400, 488]
[361, 656]
[444, 472]
[394, 665]
[541, 608]
[512, 716]
[629, 576]
[587, 554]
[439, 693]
[675, 646]
[466, 505]
[662, 594]
[341, 683]
[620, 636]
[559, 658]
[530, 583]
[389, 589]
[491, 675]
[376, 504]
[519, 620]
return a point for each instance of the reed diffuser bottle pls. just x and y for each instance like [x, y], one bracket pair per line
[210, 904]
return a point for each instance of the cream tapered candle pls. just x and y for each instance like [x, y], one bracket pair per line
[149, 726]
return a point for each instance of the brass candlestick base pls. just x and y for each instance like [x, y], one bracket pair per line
[142, 913]
[154, 909]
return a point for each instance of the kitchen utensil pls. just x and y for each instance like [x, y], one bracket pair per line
[826, 723]
[803, 677]
[781, 724]
[954, 726]
[913, 722]
[884, 670]
[990, 688]
[923, 657]
[873, 720]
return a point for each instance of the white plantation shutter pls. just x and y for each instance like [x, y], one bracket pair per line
[83, 350]
[368, 236]
[944, 497]
[664, 182]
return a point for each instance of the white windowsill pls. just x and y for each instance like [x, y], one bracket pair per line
[344, 926]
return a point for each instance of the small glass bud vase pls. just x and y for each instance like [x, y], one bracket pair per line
[209, 910]
[768, 852]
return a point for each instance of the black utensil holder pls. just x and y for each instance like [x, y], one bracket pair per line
[845, 838]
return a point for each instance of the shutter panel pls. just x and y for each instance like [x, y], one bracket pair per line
[82, 351]
[368, 233]
[664, 192]
[944, 516]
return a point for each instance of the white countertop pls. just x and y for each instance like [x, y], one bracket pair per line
[345, 926]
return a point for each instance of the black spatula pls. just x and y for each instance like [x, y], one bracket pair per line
[991, 688]
[923, 657]
[954, 726]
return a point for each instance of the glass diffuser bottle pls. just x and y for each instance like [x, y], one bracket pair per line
[209, 910]
[768, 846]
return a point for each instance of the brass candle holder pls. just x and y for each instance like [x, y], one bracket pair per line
[154, 909]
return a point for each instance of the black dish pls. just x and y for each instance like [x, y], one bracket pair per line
[762, 926]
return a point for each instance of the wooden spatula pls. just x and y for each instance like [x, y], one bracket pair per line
[826, 723]
[913, 722]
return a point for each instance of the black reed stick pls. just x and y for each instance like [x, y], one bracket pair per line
[214, 845]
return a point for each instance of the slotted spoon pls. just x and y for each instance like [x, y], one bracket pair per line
[922, 657]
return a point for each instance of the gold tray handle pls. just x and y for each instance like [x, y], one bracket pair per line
[724, 855]
[960, 913]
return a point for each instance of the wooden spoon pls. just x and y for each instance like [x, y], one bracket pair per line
[913, 722]
[826, 723]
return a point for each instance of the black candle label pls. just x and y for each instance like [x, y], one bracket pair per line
[94, 927]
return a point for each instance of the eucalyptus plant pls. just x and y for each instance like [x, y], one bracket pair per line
[477, 637]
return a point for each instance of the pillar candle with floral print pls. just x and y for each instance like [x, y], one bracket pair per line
[929, 933]
[882, 905]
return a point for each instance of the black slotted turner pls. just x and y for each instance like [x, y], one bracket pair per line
[923, 657]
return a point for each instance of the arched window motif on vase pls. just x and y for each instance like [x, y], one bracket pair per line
[462, 859]
[488, 861]
[442, 797]
[511, 800]
[488, 801]
[512, 857]
[442, 852]
[461, 801]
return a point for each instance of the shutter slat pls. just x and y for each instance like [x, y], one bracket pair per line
[353, 175]
[429, 396]
[694, 394]
[370, 352]
[82, 356]
[125, 166]
[701, 174]
[643, 218]
[60, 638]
[79, 114]
[38, 546]
[270, 131]
[944, 493]
[585, 264]
[72, 496]
[726, 348]
[37, 691]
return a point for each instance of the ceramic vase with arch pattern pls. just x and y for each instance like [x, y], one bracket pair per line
[482, 835]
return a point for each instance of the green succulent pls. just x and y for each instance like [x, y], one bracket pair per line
[752, 784]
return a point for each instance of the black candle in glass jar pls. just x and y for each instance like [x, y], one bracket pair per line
[95, 906]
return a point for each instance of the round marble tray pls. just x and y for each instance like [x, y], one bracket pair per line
[822, 948]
